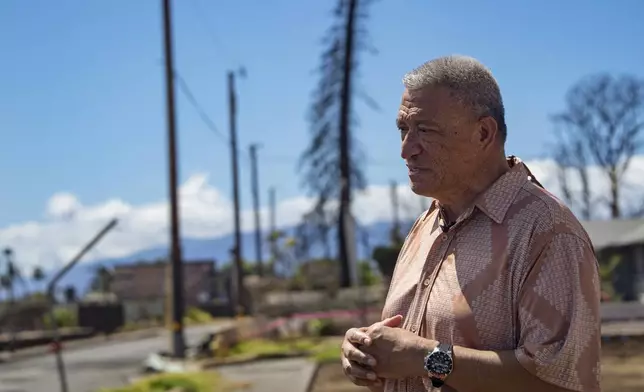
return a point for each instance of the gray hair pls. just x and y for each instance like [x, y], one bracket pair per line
[470, 82]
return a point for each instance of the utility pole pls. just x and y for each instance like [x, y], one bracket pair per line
[273, 228]
[361, 278]
[345, 223]
[178, 344]
[258, 228]
[271, 201]
[12, 274]
[51, 295]
[238, 270]
[394, 206]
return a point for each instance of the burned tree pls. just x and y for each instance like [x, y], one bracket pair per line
[571, 157]
[601, 126]
[330, 164]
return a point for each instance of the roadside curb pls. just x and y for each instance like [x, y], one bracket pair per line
[314, 375]
[115, 338]
[81, 343]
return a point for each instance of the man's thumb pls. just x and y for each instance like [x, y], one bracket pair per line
[393, 322]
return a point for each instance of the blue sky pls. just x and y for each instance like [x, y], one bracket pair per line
[82, 93]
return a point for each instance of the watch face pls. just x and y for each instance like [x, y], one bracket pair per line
[439, 363]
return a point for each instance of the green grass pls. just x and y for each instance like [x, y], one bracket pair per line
[195, 316]
[328, 351]
[321, 350]
[270, 347]
[188, 382]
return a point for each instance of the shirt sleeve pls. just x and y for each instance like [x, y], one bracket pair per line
[559, 326]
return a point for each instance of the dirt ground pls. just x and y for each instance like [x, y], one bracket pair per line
[622, 371]
[623, 367]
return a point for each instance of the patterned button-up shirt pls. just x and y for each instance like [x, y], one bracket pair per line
[515, 272]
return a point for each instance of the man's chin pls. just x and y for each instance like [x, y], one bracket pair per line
[421, 189]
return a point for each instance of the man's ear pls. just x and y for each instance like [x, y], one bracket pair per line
[487, 132]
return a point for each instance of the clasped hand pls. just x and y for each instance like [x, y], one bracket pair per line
[381, 351]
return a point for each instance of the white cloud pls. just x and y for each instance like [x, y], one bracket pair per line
[62, 205]
[205, 213]
[632, 191]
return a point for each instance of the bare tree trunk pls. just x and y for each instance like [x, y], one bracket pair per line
[345, 161]
[331, 166]
[615, 212]
[562, 175]
[585, 193]
[582, 170]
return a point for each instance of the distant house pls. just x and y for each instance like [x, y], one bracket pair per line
[624, 238]
[23, 316]
[142, 287]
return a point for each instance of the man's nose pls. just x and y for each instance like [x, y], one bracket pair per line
[410, 146]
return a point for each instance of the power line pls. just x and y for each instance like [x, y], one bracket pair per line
[185, 89]
[210, 124]
[284, 159]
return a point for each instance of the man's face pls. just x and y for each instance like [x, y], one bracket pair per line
[438, 141]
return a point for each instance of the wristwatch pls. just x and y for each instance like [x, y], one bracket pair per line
[439, 364]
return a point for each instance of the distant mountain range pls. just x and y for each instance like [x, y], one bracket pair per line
[218, 249]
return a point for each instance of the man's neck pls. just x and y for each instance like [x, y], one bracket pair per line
[457, 202]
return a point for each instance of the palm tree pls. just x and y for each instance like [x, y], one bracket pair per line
[5, 282]
[38, 274]
[102, 280]
[330, 163]
[11, 275]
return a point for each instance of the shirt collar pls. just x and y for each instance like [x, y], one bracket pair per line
[497, 199]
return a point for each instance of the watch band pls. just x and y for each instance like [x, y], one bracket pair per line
[446, 348]
[437, 382]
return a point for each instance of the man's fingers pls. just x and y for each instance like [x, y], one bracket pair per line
[358, 374]
[357, 336]
[391, 322]
[358, 371]
[354, 354]
[361, 336]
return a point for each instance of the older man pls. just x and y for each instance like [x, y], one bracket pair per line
[496, 287]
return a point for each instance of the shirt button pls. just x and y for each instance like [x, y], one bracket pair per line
[413, 329]
[426, 282]
[444, 237]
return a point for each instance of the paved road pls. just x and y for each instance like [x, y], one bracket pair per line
[109, 364]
